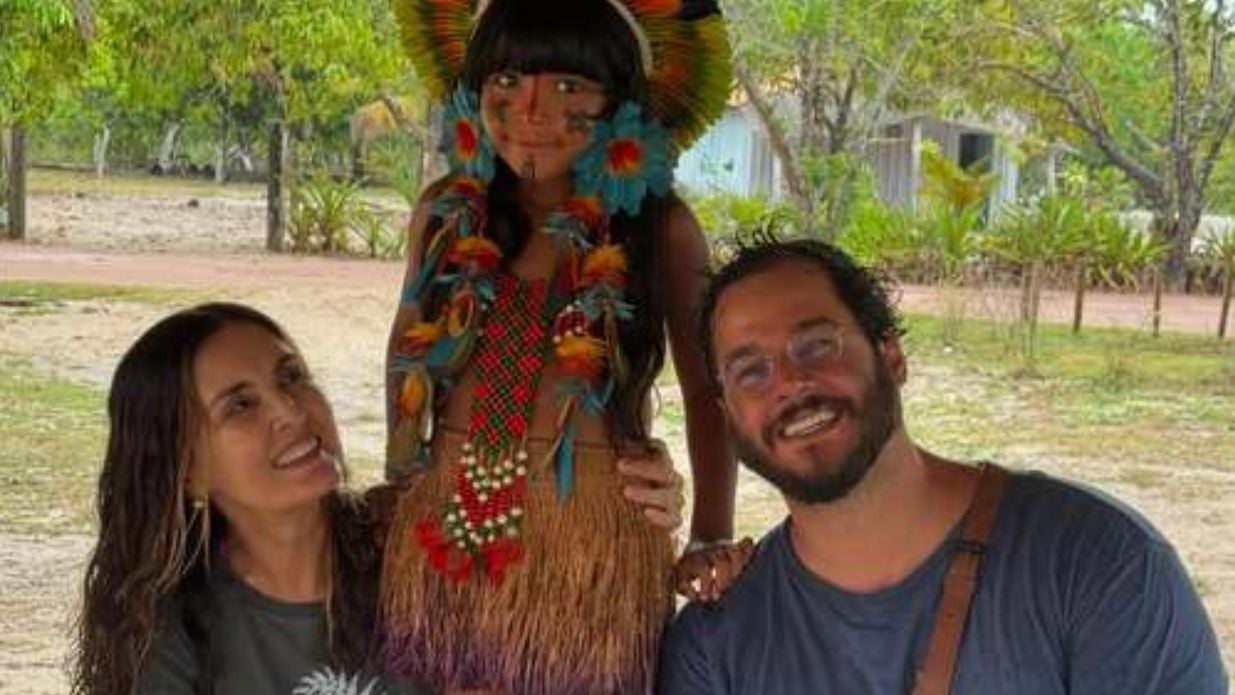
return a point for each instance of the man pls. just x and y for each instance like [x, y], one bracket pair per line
[1075, 594]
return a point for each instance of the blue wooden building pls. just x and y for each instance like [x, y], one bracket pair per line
[734, 156]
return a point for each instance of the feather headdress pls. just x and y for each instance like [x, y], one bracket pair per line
[684, 49]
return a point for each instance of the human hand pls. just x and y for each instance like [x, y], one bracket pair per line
[648, 479]
[705, 572]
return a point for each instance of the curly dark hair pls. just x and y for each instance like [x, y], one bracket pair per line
[864, 292]
[152, 553]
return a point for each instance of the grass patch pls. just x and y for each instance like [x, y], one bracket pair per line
[1109, 394]
[60, 181]
[1105, 357]
[51, 446]
[134, 184]
[40, 297]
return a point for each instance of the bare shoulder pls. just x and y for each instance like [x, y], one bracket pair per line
[420, 213]
[684, 242]
[684, 236]
[418, 225]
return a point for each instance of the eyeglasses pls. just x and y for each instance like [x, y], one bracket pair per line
[813, 347]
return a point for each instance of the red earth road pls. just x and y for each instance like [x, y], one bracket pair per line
[261, 271]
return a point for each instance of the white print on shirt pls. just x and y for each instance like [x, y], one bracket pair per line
[329, 682]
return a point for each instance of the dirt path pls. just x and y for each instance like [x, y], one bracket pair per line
[261, 270]
[338, 309]
[256, 271]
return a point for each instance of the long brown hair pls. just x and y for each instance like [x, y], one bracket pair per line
[151, 562]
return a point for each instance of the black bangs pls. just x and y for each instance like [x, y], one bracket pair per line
[584, 37]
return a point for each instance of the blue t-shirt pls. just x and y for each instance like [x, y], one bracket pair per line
[1077, 594]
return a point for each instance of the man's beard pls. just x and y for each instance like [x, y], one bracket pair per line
[878, 416]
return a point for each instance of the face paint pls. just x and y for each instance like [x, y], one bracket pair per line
[539, 123]
[579, 122]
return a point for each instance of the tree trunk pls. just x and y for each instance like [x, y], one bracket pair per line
[101, 142]
[17, 183]
[838, 201]
[220, 168]
[777, 139]
[1035, 297]
[1228, 280]
[1078, 307]
[1159, 281]
[4, 181]
[1178, 233]
[167, 150]
[276, 194]
[1030, 301]
[1026, 292]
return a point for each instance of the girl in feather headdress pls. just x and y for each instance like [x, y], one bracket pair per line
[544, 274]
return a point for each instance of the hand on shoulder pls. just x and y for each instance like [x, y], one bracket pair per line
[707, 570]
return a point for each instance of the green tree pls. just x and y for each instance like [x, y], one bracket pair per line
[43, 49]
[823, 78]
[284, 73]
[1147, 85]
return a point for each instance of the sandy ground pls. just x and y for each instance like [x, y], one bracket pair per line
[338, 309]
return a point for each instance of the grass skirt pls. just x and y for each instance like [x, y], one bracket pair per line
[581, 613]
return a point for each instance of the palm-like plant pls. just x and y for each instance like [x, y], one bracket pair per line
[948, 240]
[882, 237]
[1122, 254]
[1220, 250]
[947, 233]
[726, 217]
[324, 212]
[947, 182]
[1031, 237]
[1094, 247]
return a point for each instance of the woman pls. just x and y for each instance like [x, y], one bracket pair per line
[229, 558]
[543, 276]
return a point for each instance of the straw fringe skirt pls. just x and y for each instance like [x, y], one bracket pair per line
[580, 614]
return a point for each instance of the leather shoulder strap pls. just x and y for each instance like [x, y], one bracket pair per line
[935, 675]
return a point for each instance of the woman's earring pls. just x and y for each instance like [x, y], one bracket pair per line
[200, 516]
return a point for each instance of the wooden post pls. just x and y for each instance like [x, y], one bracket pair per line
[1078, 309]
[220, 169]
[17, 183]
[276, 195]
[101, 141]
[1035, 301]
[4, 181]
[1228, 280]
[1158, 282]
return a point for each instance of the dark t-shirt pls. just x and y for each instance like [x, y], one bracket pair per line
[261, 647]
[1078, 594]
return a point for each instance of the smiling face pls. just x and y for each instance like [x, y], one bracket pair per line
[810, 402]
[266, 441]
[540, 122]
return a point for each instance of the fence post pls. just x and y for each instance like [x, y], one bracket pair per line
[1228, 280]
[17, 183]
[1157, 301]
[276, 196]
